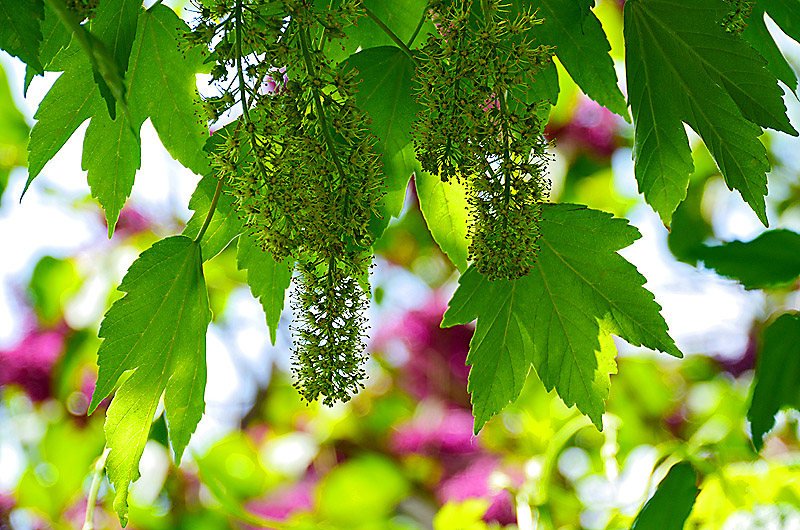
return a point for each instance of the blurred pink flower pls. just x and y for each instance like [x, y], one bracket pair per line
[29, 364]
[593, 129]
[131, 222]
[277, 83]
[474, 482]
[435, 362]
[282, 502]
[450, 433]
[7, 504]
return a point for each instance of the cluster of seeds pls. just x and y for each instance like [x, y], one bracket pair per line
[475, 128]
[82, 8]
[736, 19]
[301, 164]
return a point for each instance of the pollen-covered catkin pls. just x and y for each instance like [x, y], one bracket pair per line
[475, 128]
[301, 164]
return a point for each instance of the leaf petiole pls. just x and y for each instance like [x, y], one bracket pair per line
[214, 201]
[392, 35]
[417, 29]
[91, 500]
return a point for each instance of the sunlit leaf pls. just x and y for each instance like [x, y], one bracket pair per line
[268, 279]
[559, 317]
[446, 211]
[157, 330]
[682, 66]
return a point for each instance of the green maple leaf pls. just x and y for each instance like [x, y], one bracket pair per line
[55, 37]
[777, 381]
[682, 66]
[20, 30]
[759, 37]
[400, 16]
[167, 89]
[386, 93]
[559, 317]
[160, 84]
[158, 331]
[582, 47]
[672, 502]
[771, 259]
[268, 279]
[446, 211]
[116, 23]
[225, 224]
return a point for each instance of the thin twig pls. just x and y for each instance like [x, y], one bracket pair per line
[91, 500]
[392, 35]
[210, 213]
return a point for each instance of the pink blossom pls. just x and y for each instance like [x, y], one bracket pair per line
[131, 222]
[450, 433]
[282, 502]
[29, 364]
[593, 129]
[474, 482]
[435, 364]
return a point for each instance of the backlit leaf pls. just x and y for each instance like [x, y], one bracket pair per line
[157, 330]
[268, 279]
[559, 317]
[682, 66]
[777, 381]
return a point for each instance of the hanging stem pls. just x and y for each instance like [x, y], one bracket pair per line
[392, 35]
[210, 213]
[417, 29]
[323, 120]
[91, 500]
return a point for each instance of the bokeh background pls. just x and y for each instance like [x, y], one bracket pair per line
[400, 455]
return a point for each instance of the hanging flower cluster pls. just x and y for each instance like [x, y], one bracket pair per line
[301, 164]
[475, 128]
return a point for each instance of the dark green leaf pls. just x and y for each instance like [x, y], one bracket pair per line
[268, 279]
[400, 16]
[385, 92]
[683, 67]
[55, 36]
[582, 47]
[560, 316]
[224, 226]
[165, 88]
[785, 13]
[777, 381]
[114, 24]
[545, 88]
[757, 34]
[672, 502]
[20, 31]
[771, 259]
[157, 330]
